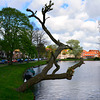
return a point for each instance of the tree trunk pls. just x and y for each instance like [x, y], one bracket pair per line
[44, 74]
[30, 82]
[40, 77]
[11, 55]
[38, 54]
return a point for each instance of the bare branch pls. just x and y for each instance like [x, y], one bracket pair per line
[57, 68]
[46, 9]
[47, 18]
[68, 75]
[35, 12]
[55, 62]
[43, 75]
[31, 12]
[33, 15]
[51, 37]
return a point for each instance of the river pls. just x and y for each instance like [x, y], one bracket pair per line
[85, 84]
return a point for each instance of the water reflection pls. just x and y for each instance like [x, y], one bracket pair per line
[85, 84]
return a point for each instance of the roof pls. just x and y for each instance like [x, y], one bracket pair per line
[65, 50]
[84, 51]
[94, 51]
[89, 54]
[17, 50]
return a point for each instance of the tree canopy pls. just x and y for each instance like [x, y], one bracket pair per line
[14, 28]
[77, 49]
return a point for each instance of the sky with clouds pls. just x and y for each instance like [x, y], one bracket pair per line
[69, 19]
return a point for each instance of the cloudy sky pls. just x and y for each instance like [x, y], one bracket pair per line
[69, 19]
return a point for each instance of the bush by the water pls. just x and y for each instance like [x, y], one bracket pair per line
[96, 58]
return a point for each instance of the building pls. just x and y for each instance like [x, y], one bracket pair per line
[85, 54]
[90, 54]
[64, 54]
[2, 54]
[17, 54]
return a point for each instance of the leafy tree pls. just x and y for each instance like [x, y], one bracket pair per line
[14, 27]
[27, 47]
[44, 73]
[50, 48]
[77, 49]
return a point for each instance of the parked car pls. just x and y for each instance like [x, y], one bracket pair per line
[14, 60]
[20, 60]
[32, 59]
[3, 61]
[0, 62]
[36, 59]
[26, 60]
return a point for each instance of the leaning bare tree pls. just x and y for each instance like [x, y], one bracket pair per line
[44, 74]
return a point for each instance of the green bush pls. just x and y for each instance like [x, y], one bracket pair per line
[96, 58]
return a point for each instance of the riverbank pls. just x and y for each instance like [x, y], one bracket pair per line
[11, 78]
[73, 59]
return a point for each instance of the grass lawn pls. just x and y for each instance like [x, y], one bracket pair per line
[11, 78]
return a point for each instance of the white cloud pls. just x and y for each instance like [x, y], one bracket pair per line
[82, 16]
[78, 35]
[2, 3]
[71, 22]
[19, 4]
[37, 5]
[89, 26]
[92, 39]
[88, 45]
[93, 8]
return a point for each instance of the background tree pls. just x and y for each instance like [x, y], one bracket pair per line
[44, 73]
[49, 49]
[41, 50]
[27, 47]
[14, 27]
[39, 40]
[77, 49]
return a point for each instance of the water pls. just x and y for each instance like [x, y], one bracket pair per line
[85, 84]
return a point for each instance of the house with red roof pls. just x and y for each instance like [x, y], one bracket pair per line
[90, 54]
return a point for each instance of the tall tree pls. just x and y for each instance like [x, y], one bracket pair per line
[77, 49]
[44, 74]
[14, 27]
[27, 47]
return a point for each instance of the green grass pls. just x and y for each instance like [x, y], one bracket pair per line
[11, 78]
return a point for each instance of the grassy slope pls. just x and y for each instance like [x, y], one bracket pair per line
[11, 78]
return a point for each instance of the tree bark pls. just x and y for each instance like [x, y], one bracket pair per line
[11, 55]
[43, 75]
[40, 77]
